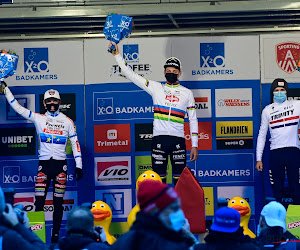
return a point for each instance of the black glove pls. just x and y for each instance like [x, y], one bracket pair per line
[78, 174]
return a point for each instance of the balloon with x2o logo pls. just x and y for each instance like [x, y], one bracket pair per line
[116, 28]
[8, 64]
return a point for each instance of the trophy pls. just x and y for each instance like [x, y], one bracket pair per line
[8, 65]
[116, 28]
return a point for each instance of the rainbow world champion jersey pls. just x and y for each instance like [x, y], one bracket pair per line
[282, 119]
[53, 131]
[171, 103]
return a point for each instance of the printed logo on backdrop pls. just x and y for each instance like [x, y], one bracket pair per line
[204, 136]
[20, 141]
[112, 170]
[202, 102]
[22, 173]
[217, 168]
[233, 102]
[11, 175]
[27, 200]
[119, 200]
[288, 56]
[245, 192]
[132, 56]
[131, 53]
[143, 136]
[234, 135]
[209, 200]
[112, 138]
[122, 105]
[294, 94]
[212, 60]
[67, 106]
[37, 65]
[9, 116]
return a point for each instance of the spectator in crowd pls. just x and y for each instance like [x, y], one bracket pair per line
[13, 234]
[160, 224]
[226, 233]
[271, 230]
[81, 233]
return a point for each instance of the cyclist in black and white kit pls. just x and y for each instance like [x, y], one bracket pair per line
[53, 129]
[282, 119]
[171, 103]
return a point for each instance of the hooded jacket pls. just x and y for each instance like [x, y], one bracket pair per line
[275, 236]
[78, 241]
[219, 241]
[19, 238]
[148, 233]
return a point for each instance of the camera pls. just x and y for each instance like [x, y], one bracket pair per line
[9, 194]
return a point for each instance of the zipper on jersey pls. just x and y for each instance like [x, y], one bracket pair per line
[171, 103]
[52, 141]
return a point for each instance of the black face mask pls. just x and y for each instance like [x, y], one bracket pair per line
[48, 106]
[171, 77]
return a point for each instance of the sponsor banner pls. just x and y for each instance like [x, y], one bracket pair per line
[144, 163]
[233, 102]
[138, 53]
[27, 200]
[280, 57]
[143, 136]
[112, 138]
[22, 173]
[292, 220]
[245, 192]
[46, 63]
[294, 94]
[112, 171]
[209, 200]
[37, 227]
[204, 136]
[293, 225]
[8, 115]
[234, 128]
[119, 200]
[217, 58]
[20, 141]
[122, 105]
[234, 143]
[202, 102]
[234, 135]
[218, 168]
[67, 106]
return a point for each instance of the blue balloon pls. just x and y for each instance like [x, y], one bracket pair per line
[8, 65]
[117, 27]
